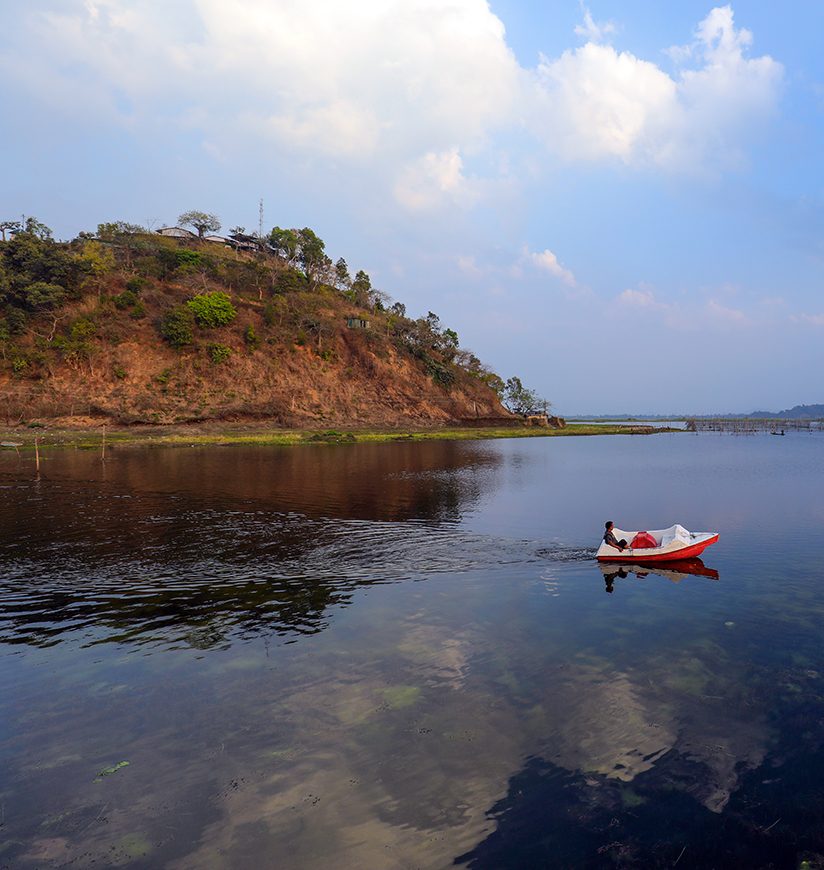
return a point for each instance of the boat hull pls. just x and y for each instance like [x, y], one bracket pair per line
[674, 543]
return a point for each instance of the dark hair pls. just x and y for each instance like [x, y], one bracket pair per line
[608, 523]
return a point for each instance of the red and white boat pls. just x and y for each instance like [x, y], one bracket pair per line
[657, 545]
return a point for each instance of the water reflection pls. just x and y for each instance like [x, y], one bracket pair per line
[392, 656]
[675, 572]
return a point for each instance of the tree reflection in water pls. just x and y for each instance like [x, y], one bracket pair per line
[196, 546]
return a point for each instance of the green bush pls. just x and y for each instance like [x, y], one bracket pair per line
[250, 337]
[43, 295]
[136, 285]
[178, 326]
[211, 310]
[124, 300]
[82, 329]
[119, 372]
[16, 319]
[290, 281]
[219, 353]
[19, 363]
[138, 311]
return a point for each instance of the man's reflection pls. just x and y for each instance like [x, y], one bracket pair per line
[610, 577]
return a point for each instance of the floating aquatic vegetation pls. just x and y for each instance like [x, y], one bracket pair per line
[108, 771]
[398, 697]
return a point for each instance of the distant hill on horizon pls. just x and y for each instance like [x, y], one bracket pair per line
[799, 412]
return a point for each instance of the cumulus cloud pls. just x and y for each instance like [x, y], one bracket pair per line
[548, 262]
[335, 78]
[432, 179]
[724, 313]
[404, 89]
[675, 314]
[598, 102]
[591, 30]
[640, 298]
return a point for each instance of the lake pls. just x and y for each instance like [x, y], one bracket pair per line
[404, 655]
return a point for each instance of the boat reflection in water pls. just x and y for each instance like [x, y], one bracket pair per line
[674, 571]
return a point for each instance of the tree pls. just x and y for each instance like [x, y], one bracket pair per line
[202, 221]
[113, 231]
[43, 295]
[35, 228]
[284, 243]
[519, 399]
[9, 226]
[121, 233]
[398, 309]
[311, 254]
[361, 287]
[342, 276]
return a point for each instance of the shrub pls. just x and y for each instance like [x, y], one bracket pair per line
[250, 337]
[138, 311]
[290, 281]
[178, 326]
[16, 319]
[187, 261]
[119, 372]
[211, 310]
[126, 299]
[136, 285]
[82, 329]
[19, 363]
[43, 295]
[219, 353]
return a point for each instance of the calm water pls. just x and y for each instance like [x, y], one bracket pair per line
[404, 655]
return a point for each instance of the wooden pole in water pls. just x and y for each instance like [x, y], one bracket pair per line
[103, 449]
[37, 453]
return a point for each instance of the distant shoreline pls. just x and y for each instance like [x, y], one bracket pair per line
[166, 436]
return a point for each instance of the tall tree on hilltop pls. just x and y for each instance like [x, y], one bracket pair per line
[202, 221]
[361, 287]
[284, 243]
[10, 226]
[342, 275]
[311, 255]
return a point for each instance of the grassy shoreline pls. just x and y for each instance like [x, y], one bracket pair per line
[158, 436]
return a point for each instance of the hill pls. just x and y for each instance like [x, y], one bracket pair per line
[136, 327]
[799, 412]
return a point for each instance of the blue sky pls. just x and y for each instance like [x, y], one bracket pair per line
[622, 203]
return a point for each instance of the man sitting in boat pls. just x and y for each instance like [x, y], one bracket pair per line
[610, 539]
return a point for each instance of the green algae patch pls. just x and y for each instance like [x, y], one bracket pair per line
[399, 697]
[130, 848]
[631, 799]
[108, 771]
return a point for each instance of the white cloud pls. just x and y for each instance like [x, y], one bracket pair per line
[469, 266]
[598, 102]
[402, 89]
[547, 261]
[639, 299]
[433, 179]
[697, 314]
[405, 75]
[725, 314]
[591, 30]
[812, 319]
